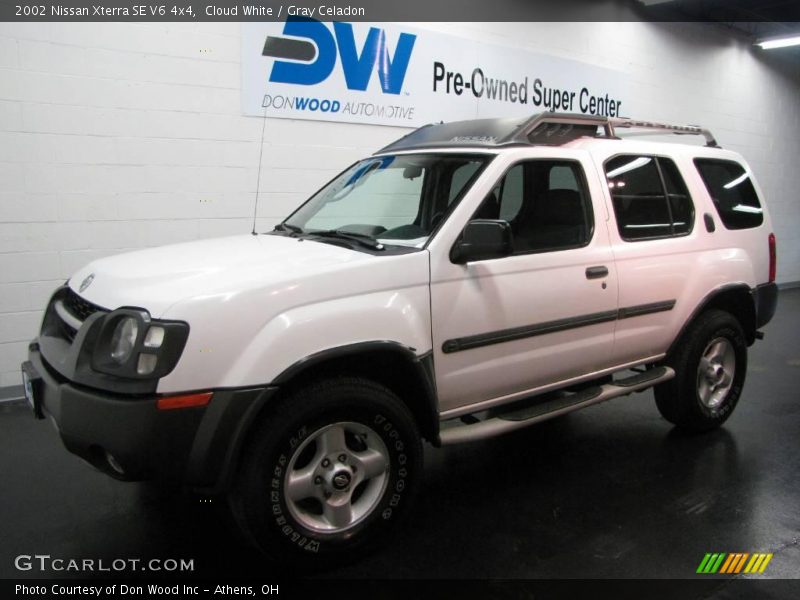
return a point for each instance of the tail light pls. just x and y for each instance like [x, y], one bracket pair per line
[773, 258]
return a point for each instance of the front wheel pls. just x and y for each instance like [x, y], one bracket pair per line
[710, 365]
[328, 473]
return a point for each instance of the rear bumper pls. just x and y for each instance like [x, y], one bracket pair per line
[765, 300]
[195, 446]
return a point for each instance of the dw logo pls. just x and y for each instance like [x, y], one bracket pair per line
[313, 61]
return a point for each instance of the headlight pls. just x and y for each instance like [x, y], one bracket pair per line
[127, 343]
[124, 339]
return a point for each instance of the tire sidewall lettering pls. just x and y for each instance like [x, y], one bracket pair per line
[298, 536]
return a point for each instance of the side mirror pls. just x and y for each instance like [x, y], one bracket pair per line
[482, 239]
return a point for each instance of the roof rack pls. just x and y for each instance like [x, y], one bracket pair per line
[550, 128]
[623, 123]
[547, 128]
[565, 125]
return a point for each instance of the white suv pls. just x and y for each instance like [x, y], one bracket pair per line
[470, 279]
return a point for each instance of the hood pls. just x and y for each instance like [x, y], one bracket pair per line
[157, 278]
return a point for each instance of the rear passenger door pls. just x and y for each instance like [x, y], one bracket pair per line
[654, 216]
[542, 315]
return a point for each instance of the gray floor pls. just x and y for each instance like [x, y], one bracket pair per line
[609, 492]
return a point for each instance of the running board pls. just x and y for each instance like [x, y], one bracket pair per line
[547, 409]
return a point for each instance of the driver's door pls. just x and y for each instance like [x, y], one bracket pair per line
[542, 315]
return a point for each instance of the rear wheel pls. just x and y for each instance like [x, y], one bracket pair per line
[710, 365]
[329, 472]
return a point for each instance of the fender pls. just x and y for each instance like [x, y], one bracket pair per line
[243, 408]
[297, 333]
[410, 374]
[742, 290]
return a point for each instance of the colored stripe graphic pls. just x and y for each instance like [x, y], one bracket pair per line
[764, 564]
[711, 562]
[733, 563]
[727, 564]
[718, 563]
[740, 564]
[758, 563]
[703, 563]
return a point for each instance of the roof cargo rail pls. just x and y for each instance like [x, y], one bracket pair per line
[547, 128]
[623, 123]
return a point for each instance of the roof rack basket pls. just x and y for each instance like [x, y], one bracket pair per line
[547, 128]
[623, 123]
[550, 126]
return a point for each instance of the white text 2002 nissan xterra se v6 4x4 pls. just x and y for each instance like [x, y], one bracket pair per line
[468, 280]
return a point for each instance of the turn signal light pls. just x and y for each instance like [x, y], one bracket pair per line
[191, 400]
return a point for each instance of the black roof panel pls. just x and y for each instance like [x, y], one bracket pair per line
[542, 128]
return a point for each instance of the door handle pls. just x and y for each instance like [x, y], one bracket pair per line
[596, 272]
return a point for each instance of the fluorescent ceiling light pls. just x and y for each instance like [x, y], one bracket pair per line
[754, 210]
[779, 42]
[737, 181]
[634, 164]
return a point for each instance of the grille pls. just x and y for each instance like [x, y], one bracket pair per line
[68, 332]
[79, 308]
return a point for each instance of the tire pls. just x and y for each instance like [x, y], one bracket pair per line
[328, 473]
[710, 364]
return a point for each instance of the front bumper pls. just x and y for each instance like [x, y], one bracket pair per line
[129, 438]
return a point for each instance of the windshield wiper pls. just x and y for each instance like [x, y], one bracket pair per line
[287, 227]
[359, 238]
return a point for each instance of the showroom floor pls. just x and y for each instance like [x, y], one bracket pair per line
[610, 492]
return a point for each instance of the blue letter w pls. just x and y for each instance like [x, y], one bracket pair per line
[358, 69]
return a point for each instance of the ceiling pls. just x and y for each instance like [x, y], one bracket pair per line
[755, 19]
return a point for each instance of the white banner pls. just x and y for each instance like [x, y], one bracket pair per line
[394, 75]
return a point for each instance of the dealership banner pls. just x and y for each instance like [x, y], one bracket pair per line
[389, 74]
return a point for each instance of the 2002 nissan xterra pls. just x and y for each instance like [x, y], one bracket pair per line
[468, 280]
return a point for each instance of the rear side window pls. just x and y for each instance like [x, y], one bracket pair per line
[650, 197]
[732, 191]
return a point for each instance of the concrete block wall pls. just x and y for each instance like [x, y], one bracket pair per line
[122, 136]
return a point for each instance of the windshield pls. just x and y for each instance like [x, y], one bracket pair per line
[395, 200]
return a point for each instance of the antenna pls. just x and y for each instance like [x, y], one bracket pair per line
[258, 180]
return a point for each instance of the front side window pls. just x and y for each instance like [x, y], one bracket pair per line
[732, 191]
[650, 197]
[395, 200]
[546, 204]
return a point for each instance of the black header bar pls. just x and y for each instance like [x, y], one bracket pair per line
[345, 10]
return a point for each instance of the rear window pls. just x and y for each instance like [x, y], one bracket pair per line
[731, 189]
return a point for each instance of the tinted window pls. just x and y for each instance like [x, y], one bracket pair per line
[732, 191]
[650, 198]
[563, 178]
[461, 176]
[680, 203]
[546, 204]
[510, 194]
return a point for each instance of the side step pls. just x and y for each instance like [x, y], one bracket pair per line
[547, 409]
